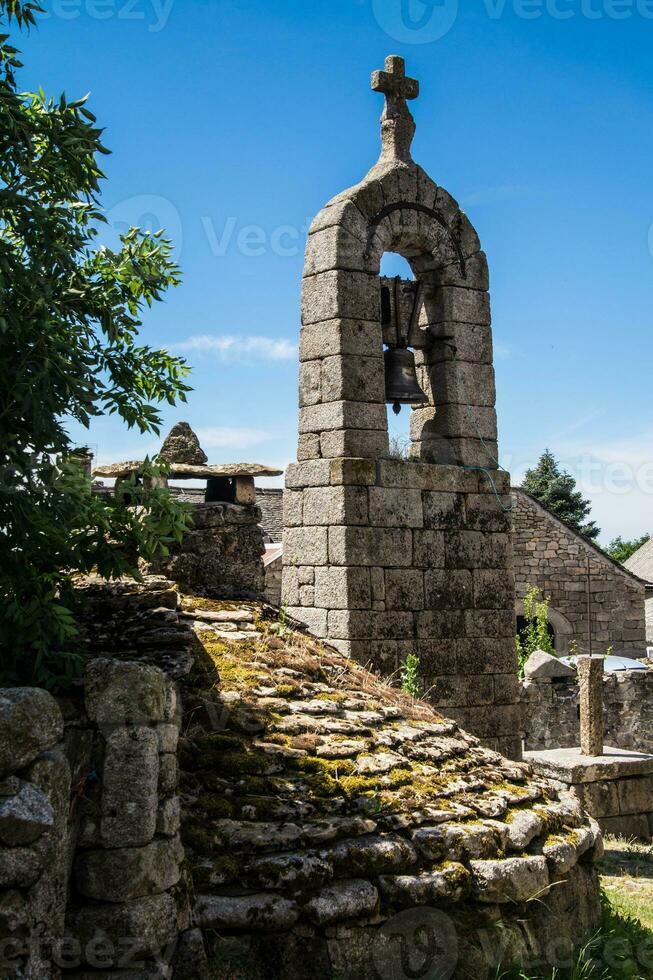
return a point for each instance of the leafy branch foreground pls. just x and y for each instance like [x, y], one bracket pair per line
[69, 320]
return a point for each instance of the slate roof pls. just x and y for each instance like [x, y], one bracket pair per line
[270, 500]
[641, 563]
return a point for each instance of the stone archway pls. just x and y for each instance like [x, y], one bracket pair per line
[396, 208]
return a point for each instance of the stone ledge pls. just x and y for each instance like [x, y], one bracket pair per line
[569, 766]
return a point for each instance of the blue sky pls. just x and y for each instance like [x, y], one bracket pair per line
[233, 121]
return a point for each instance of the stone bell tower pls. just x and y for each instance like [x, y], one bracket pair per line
[384, 557]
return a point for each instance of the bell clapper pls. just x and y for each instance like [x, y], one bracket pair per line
[396, 408]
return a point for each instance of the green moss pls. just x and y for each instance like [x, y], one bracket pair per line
[331, 767]
[399, 777]
[337, 696]
[322, 784]
[279, 739]
[240, 764]
[216, 806]
[220, 871]
[287, 690]
[202, 839]
[357, 785]
[267, 807]
[233, 670]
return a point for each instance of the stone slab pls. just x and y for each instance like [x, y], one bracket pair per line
[189, 471]
[569, 766]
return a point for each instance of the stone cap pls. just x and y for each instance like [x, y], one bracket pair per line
[542, 666]
[181, 445]
[570, 766]
[190, 471]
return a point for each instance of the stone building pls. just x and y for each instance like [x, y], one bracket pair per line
[641, 564]
[567, 568]
[386, 557]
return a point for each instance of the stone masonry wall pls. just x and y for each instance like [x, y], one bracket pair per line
[547, 554]
[387, 558]
[550, 716]
[220, 555]
[34, 801]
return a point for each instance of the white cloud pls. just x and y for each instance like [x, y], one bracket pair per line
[617, 475]
[227, 347]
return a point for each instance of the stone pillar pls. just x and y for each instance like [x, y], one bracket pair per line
[590, 677]
[127, 869]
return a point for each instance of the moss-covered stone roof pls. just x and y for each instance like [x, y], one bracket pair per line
[313, 791]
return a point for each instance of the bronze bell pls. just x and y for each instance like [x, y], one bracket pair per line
[401, 385]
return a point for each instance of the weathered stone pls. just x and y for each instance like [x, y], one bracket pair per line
[635, 795]
[190, 960]
[523, 827]
[337, 294]
[167, 737]
[342, 588]
[369, 546]
[252, 912]
[297, 870]
[124, 874]
[395, 508]
[168, 816]
[371, 856]
[21, 866]
[343, 900]
[130, 787]
[145, 926]
[168, 774]
[334, 505]
[455, 841]
[342, 415]
[25, 817]
[354, 378]
[30, 722]
[590, 679]
[305, 546]
[181, 445]
[451, 884]
[542, 665]
[124, 693]
[509, 880]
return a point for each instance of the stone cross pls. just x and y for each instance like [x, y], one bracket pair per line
[590, 679]
[397, 124]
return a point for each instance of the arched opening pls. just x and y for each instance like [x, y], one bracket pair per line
[559, 628]
[522, 627]
[400, 301]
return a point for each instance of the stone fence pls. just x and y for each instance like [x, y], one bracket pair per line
[550, 714]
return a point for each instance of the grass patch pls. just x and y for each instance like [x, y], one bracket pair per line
[622, 948]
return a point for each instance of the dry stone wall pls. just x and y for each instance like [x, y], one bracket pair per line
[220, 555]
[325, 812]
[34, 800]
[547, 554]
[550, 712]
